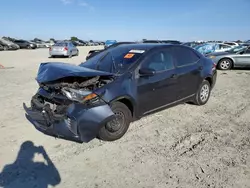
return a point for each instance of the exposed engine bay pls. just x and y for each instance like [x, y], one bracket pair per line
[71, 101]
[76, 83]
[55, 97]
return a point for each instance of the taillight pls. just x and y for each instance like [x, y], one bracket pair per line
[66, 49]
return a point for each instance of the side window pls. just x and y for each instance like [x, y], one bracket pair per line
[160, 60]
[224, 46]
[185, 56]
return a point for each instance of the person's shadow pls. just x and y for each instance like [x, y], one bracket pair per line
[24, 173]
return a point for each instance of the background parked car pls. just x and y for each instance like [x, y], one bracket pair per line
[212, 47]
[238, 56]
[63, 48]
[1, 48]
[8, 45]
[84, 43]
[39, 44]
[25, 44]
[232, 43]
[171, 41]
[109, 42]
[191, 44]
[92, 53]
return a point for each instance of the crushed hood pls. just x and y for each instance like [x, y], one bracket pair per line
[51, 71]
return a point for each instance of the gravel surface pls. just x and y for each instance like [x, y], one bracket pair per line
[185, 146]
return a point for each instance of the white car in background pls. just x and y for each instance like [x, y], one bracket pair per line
[234, 44]
[222, 47]
[40, 44]
[63, 48]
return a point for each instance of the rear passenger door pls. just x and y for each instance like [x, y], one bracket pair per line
[244, 58]
[188, 68]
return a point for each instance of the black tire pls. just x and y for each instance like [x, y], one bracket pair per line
[5, 48]
[113, 131]
[52, 56]
[200, 98]
[225, 64]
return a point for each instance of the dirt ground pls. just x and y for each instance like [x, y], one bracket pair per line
[185, 146]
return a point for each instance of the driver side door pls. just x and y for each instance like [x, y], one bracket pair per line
[160, 89]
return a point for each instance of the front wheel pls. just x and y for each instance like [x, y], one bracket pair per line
[116, 128]
[225, 64]
[203, 93]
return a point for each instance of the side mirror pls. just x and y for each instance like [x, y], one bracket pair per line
[146, 72]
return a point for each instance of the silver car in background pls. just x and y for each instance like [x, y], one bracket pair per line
[238, 56]
[63, 48]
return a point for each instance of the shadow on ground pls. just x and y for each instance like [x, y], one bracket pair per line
[24, 173]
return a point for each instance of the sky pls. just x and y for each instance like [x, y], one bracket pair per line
[126, 20]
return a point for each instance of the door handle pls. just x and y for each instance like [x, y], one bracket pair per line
[173, 76]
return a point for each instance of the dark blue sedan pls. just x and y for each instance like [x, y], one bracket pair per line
[102, 96]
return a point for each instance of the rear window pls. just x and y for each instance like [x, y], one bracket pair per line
[20, 41]
[60, 44]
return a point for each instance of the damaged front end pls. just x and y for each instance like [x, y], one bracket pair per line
[69, 108]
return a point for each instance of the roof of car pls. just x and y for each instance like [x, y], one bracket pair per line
[145, 46]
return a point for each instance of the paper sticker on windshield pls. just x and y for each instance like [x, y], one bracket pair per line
[129, 56]
[137, 51]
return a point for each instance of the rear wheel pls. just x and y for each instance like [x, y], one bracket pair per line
[5, 48]
[203, 93]
[225, 64]
[116, 128]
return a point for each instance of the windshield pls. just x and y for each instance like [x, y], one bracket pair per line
[237, 49]
[115, 60]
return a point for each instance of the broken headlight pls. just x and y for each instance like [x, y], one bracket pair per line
[81, 96]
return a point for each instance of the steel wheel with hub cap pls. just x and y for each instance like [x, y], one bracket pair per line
[225, 64]
[203, 93]
[118, 126]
